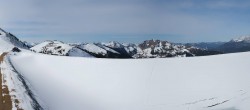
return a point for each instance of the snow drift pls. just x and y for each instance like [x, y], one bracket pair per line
[218, 82]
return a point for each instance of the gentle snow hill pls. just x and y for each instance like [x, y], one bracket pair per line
[219, 82]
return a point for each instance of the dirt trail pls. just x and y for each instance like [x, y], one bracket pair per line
[5, 98]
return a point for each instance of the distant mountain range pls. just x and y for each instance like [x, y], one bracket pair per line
[241, 44]
[146, 49]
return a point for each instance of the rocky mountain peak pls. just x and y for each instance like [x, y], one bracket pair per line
[153, 43]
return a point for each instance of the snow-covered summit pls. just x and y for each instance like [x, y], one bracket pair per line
[93, 48]
[59, 48]
[52, 47]
[245, 39]
[100, 50]
[154, 43]
[114, 44]
[158, 48]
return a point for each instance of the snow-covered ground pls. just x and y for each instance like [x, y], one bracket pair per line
[218, 82]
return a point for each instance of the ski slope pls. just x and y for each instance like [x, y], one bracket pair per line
[219, 82]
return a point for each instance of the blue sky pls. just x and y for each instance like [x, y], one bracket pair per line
[126, 20]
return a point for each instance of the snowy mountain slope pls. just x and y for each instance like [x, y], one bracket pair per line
[59, 48]
[128, 49]
[8, 41]
[245, 39]
[133, 50]
[157, 48]
[77, 52]
[106, 48]
[196, 83]
[52, 47]
[29, 44]
[114, 44]
[93, 49]
[100, 51]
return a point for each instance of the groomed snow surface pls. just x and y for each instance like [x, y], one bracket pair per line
[218, 82]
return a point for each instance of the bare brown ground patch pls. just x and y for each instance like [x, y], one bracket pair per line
[5, 98]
